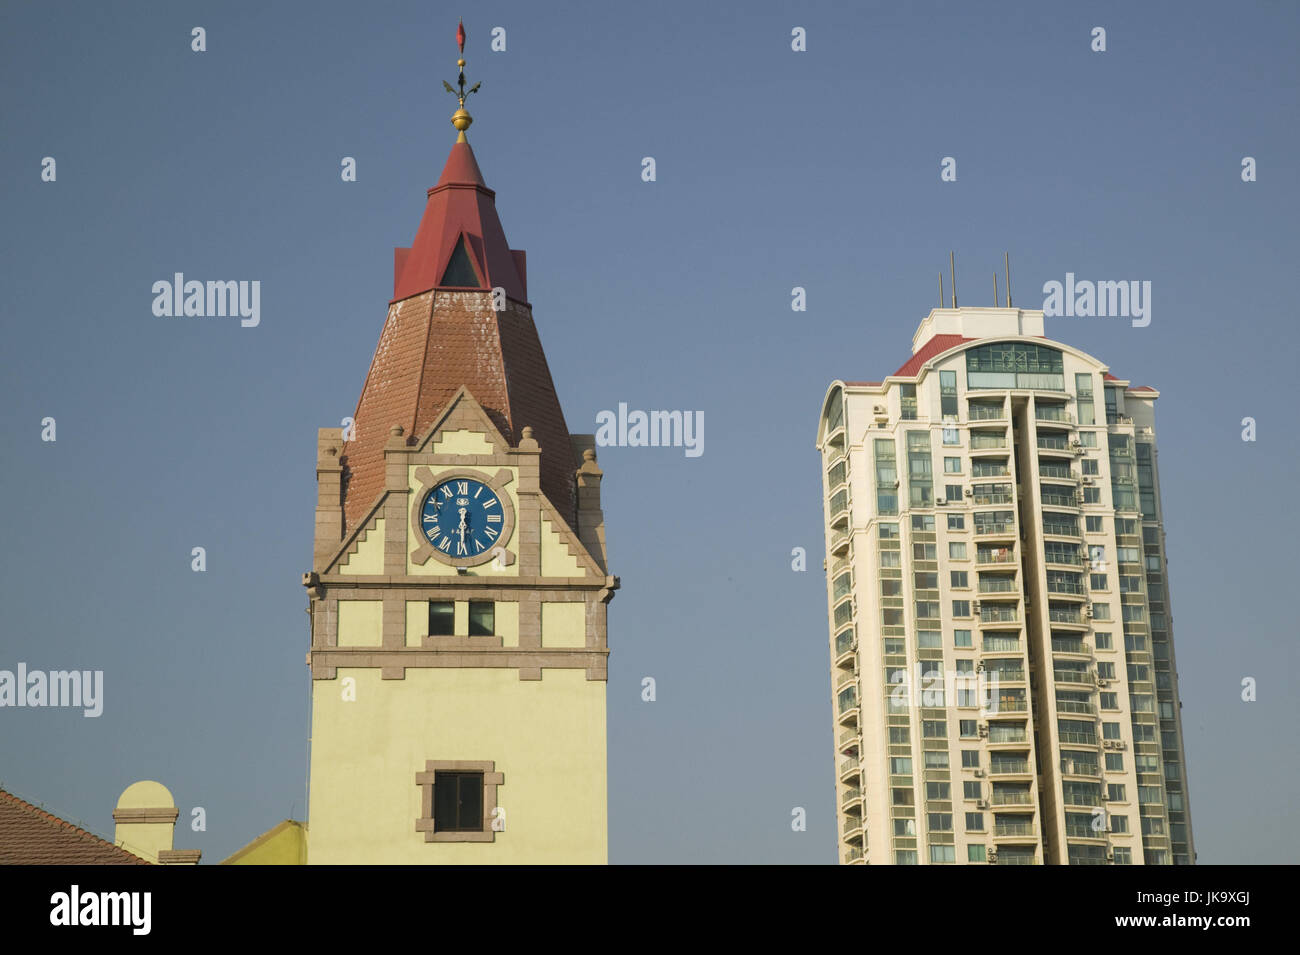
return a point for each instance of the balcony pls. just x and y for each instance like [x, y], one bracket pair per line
[1079, 767]
[839, 508]
[980, 441]
[988, 469]
[849, 716]
[1069, 645]
[1060, 615]
[1053, 498]
[1053, 469]
[1015, 858]
[854, 857]
[852, 797]
[1013, 830]
[996, 529]
[1064, 558]
[840, 543]
[1069, 588]
[1076, 831]
[1014, 797]
[1009, 705]
[850, 769]
[1053, 413]
[1074, 706]
[849, 742]
[986, 412]
[1071, 675]
[1001, 555]
[998, 585]
[1053, 442]
[1006, 674]
[1079, 739]
[1009, 767]
[999, 614]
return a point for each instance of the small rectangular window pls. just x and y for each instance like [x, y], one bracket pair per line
[442, 618]
[482, 618]
[457, 802]
[961, 638]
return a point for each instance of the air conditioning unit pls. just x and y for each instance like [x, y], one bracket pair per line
[1087, 611]
[979, 667]
[975, 604]
[993, 855]
[979, 773]
[969, 492]
[880, 410]
[895, 485]
[1120, 744]
[1102, 681]
[982, 804]
[941, 502]
[1088, 480]
[1108, 744]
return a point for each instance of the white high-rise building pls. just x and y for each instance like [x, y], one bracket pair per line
[1002, 665]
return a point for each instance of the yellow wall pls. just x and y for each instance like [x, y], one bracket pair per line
[547, 736]
[286, 844]
[145, 839]
[556, 559]
[462, 442]
[564, 624]
[361, 623]
[369, 557]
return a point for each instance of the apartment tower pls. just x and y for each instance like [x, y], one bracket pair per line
[1004, 688]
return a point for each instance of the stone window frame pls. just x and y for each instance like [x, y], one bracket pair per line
[425, 780]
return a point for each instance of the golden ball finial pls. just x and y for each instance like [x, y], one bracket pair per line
[461, 119]
[460, 63]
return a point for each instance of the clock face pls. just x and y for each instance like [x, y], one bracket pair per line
[462, 518]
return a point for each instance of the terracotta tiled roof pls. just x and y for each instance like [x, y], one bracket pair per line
[1142, 388]
[31, 836]
[1107, 376]
[863, 384]
[935, 346]
[436, 340]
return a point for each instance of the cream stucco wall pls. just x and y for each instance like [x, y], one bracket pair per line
[361, 623]
[369, 556]
[547, 736]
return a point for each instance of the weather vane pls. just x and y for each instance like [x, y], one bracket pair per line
[461, 119]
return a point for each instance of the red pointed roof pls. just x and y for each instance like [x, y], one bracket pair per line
[460, 204]
[426, 353]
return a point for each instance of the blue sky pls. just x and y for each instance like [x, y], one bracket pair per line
[775, 169]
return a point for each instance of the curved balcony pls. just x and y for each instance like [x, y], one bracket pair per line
[850, 770]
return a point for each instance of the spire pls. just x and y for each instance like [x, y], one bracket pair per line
[461, 119]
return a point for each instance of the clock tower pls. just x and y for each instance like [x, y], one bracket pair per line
[459, 582]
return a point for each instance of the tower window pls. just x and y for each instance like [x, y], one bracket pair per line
[442, 618]
[458, 802]
[482, 618]
[460, 269]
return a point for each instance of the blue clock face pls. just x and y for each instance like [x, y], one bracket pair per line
[462, 518]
